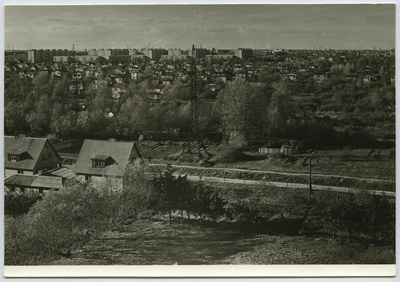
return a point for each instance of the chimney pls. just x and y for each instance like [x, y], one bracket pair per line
[42, 171]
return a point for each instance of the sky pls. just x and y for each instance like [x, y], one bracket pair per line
[220, 26]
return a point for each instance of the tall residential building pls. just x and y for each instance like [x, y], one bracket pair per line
[154, 53]
[244, 53]
[200, 53]
[45, 55]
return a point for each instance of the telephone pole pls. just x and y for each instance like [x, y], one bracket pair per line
[194, 111]
[309, 181]
[194, 123]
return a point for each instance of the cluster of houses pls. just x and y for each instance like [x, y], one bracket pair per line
[33, 163]
[108, 68]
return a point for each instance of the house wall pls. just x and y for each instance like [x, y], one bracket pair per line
[80, 177]
[269, 150]
[47, 163]
[116, 182]
[8, 172]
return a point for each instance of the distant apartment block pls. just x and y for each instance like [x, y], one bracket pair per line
[15, 55]
[174, 52]
[45, 55]
[200, 53]
[244, 53]
[108, 52]
[154, 54]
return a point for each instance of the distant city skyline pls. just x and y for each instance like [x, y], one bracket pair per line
[356, 26]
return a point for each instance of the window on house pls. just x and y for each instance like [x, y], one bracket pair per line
[20, 171]
[98, 163]
[13, 158]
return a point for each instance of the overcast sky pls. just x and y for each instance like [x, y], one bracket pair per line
[223, 26]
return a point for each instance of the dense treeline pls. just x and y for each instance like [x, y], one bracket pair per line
[343, 107]
[62, 221]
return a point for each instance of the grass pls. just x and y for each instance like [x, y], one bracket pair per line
[318, 180]
[155, 242]
[368, 163]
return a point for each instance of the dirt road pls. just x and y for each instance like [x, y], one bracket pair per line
[275, 172]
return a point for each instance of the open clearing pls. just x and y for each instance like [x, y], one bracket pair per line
[155, 242]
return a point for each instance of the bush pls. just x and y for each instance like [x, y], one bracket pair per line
[244, 211]
[361, 213]
[65, 220]
[16, 203]
[229, 154]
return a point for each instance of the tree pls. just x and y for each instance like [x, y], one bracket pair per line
[330, 207]
[207, 202]
[281, 108]
[165, 193]
[61, 89]
[177, 91]
[62, 221]
[378, 217]
[14, 117]
[137, 190]
[43, 84]
[40, 120]
[235, 107]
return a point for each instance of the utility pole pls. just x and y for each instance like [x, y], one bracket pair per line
[309, 181]
[194, 126]
[194, 111]
[77, 92]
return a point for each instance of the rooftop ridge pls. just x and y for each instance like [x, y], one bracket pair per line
[16, 137]
[119, 141]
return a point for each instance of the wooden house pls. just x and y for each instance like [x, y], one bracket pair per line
[28, 155]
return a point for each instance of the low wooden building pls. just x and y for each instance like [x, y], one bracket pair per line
[39, 183]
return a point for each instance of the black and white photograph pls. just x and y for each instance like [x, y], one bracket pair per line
[220, 135]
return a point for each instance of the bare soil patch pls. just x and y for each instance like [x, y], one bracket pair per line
[149, 242]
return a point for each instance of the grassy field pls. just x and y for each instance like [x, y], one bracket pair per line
[367, 163]
[155, 242]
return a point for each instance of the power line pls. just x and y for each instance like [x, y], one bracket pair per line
[194, 126]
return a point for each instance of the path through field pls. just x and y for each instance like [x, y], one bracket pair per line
[286, 185]
[276, 172]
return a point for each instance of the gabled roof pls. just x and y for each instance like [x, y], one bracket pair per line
[34, 181]
[30, 145]
[100, 157]
[121, 152]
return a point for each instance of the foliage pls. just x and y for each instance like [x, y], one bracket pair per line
[229, 153]
[365, 213]
[207, 202]
[178, 194]
[55, 225]
[280, 108]
[64, 220]
[16, 203]
[235, 107]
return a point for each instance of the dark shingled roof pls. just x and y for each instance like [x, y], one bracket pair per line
[34, 181]
[121, 152]
[101, 158]
[33, 146]
[16, 152]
